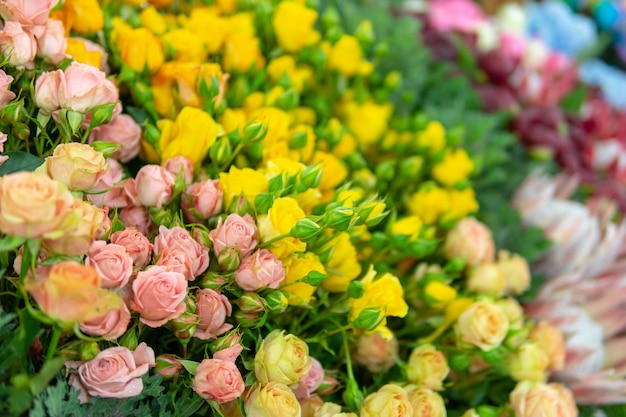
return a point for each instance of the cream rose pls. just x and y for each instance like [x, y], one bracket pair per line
[528, 363]
[426, 403]
[76, 165]
[282, 358]
[471, 240]
[550, 339]
[428, 367]
[271, 400]
[389, 401]
[483, 324]
[537, 399]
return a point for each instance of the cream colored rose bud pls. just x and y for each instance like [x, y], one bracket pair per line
[483, 324]
[426, 402]
[282, 358]
[486, 278]
[471, 240]
[428, 367]
[515, 271]
[389, 401]
[529, 363]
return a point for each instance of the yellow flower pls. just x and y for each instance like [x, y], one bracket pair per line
[433, 137]
[191, 135]
[462, 203]
[345, 56]
[296, 268]
[429, 204]
[163, 98]
[293, 24]
[140, 50]
[305, 152]
[254, 102]
[276, 122]
[233, 119]
[343, 265]
[184, 78]
[410, 225]
[81, 16]
[349, 197]
[279, 166]
[304, 116]
[160, 3]
[282, 217]
[188, 47]
[241, 53]
[456, 166]
[152, 20]
[77, 48]
[226, 6]
[333, 170]
[309, 199]
[385, 292]
[273, 95]
[209, 27]
[368, 121]
[246, 181]
[241, 23]
[439, 294]
[283, 65]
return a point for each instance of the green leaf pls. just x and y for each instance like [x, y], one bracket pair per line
[40, 381]
[19, 161]
[190, 366]
[8, 243]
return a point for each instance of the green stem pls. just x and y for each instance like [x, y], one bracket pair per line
[346, 348]
[236, 151]
[54, 342]
[276, 239]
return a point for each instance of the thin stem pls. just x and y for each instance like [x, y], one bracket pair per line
[54, 342]
[346, 348]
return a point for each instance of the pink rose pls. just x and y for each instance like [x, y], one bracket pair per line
[122, 130]
[27, 12]
[176, 260]
[52, 43]
[462, 15]
[114, 373]
[180, 165]
[159, 295]
[6, 95]
[109, 325]
[259, 270]
[202, 200]
[218, 380]
[105, 227]
[235, 231]
[111, 182]
[154, 185]
[84, 87]
[180, 239]
[46, 90]
[113, 264]
[311, 381]
[137, 217]
[512, 45]
[212, 308]
[17, 45]
[136, 244]
[375, 352]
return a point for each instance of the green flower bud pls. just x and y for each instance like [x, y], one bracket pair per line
[459, 361]
[152, 135]
[340, 218]
[330, 17]
[263, 202]
[248, 319]
[221, 150]
[353, 396]
[254, 132]
[106, 148]
[20, 131]
[288, 100]
[102, 114]
[230, 339]
[240, 205]
[386, 170]
[88, 350]
[355, 289]
[314, 278]
[73, 119]
[276, 184]
[411, 167]
[129, 339]
[365, 33]
[184, 327]
[298, 140]
[488, 411]
[229, 258]
[311, 176]
[369, 319]
[305, 229]
[212, 280]
[251, 302]
[276, 302]
[393, 80]
[12, 112]
[381, 50]
[168, 366]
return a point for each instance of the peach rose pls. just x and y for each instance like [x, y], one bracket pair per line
[136, 244]
[202, 200]
[114, 373]
[6, 95]
[77, 240]
[428, 367]
[76, 165]
[52, 43]
[84, 87]
[282, 358]
[46, 91]
[550, 339]
[426, 403]
[237, 231]
[471, 240]
[180, 239]
[17, 45]
[154, 185]
[271, 400]
[483, 324]
[331, 410]
[137, 217]
[109, 325]
[212, 308]
[486, 278]
[123, 130]
[112, 263]
[71, 292]
[218, 380]
[516, 272]
[159, 295]
[260, 270]
[311, 381]
[179, 165]
[33, 206]
[109, 190]
[389, 401]
[176, 260]
[375, 352]
[537, 399]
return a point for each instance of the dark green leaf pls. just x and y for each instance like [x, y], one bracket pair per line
[19, 161]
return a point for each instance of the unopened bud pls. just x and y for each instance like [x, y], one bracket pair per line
[488, 411]
[212, 280]
[229, 258]
[340, 218]
[20, 131]
[355, 289]
[106, 148]
[365, 33]
[226, 341]
[201, 236]
[369, 319]
[263, 202]
[168, 366]
[221, 150]
[129, 340]
[459, 361]
[240, 205]
[247, 319]
[330, 17]
[373, 213]
[276, 302]
[254, 132]
[102, 114]
[411, 167]
[251, 302]
[393, 80]
[311, 176]
[298, 140]
[152, 135]
[352, 396]
[305, 229]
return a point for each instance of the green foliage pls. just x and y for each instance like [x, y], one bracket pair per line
[19, 161]
[615, 410]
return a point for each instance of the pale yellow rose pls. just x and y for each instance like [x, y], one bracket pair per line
[426, 403]
[529, 363]
[281, 358]
[471, 240]
[77, 165]
[271, 400]
[486, 278]
[375, 352]
[550, 339]
[516, 272]
[483, 324]
[428, 367]
[343, 263]
[389, 401]
[537, 399]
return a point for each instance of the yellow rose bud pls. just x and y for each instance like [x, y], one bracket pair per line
[462, 203]
[297, 268]
[273, 399]
[426, 402]
[550, 339]
[389, 401]
[242, 53]
[486, 278]
[375, 352]
[283, 216]
[345, 56]
[333, 170]
[516, 272]
[210, 28]
[439, 294]
[428, 367]
[410, 225]
[456, 166]
[343, 263]
[537, 399]
[246, 181]
[483, 325]
[429, 203]
[191, 135]
[529, 363]
[281, 358]
[368, 121]
[293, 24]
[140, 50]
[471, 240]
[513, 311]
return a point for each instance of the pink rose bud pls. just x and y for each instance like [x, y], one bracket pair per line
[176, 260]
[17, 45]
[277, 302]
[6, 95]
[213, 280]
[109, 325]
[108, 190]
[235, 231]
[159, 295]
[202, 200]
[375, 352]
[180, 239]
[105, 227]
[179, 165]
[184, 327]
[137, 217]
[247, 319]
[213, 308]
[112, 263]
[46, 90]
[123, 130]
[218, 380]
[229, 258]
[229, 340]
[52, 43]
[114, 373]
[154, 185]
[136, 244]
[168, 366]
[85, 87]
[328, 385]
[311, 381]
[471, 240]
[260, 270]
[251, 302]
[229, 354]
